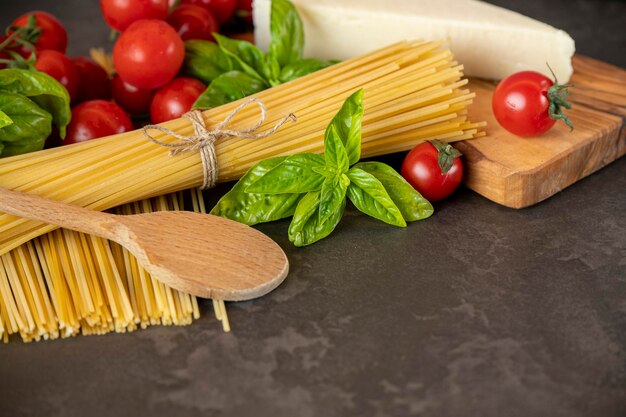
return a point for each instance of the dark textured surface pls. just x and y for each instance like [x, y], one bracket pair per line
[479, 311]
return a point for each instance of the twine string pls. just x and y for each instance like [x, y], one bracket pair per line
[203, 139]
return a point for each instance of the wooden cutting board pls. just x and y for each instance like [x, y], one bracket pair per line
[519, 172]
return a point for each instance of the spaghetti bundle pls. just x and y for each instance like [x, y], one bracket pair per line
[413, 92]
[64, 283]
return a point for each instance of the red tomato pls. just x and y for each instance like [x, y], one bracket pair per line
[59, 67]
[132, 99]
[175, 99]
[119, 14]
[148, 54]
[53, 35]
[521, 103]
[193, 22]
[244, 10]
[421, 169]
[95, 119]
[221, 9]
[93, 81]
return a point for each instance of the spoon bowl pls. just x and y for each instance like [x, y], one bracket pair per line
[199, 254]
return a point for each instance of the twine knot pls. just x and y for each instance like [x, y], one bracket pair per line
[203, 139]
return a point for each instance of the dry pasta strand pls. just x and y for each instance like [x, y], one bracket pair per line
[59, 283]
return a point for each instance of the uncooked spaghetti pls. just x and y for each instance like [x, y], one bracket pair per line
[413, 92]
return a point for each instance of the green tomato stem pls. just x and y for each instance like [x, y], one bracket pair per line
[557, 97]
[447, 153]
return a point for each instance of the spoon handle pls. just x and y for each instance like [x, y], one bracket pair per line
[53, 212]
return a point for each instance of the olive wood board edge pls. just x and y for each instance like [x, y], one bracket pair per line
[520, 172]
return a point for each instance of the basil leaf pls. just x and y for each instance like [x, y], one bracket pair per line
[332, 196]
[253, 208]
[227, 88]
[245, 54]
[347, 124]
[5, 120]
[410, 203]
[30, 128]
[370, 197]
[272, 71]
[305, 227]
[294, 175]
[326, 171]
[334, 151]
[301, 68]
[287, 33]
[205, 60]
[41, 88]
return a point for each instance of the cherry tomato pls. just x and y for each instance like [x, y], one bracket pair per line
[520, 103]
[95, 119]
[93, 81]
[119, 14]
[175, 99]
[221, 9]
[193, 22]
[148, 54]
[528, 103]
[135, 101]
[53, 35]
[59, 67]
[244, 10]
[421, 169]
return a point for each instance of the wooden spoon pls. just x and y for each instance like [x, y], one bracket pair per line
[199, 254]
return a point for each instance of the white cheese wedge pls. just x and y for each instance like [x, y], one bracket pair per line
[491, 42]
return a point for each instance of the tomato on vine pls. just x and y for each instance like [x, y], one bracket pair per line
[135, 101]
[244, 10]
[93, 81]
[59, 67]
[148, 54]
[95, 119]
[221, 9]
[119, 14]
[193, 22]
[175, 99]
[528, 103]
[434, 169]
[45, 32]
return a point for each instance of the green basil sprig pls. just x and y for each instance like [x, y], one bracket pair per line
[30, 102]
[205, 60]
[314, 188]
[234, 69]
[253, 208]
[30, 125]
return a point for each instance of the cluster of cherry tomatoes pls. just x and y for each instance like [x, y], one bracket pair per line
[147, 56]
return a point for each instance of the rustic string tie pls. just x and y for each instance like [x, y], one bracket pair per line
[203, 139]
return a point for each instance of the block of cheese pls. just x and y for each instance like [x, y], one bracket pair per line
[491, 42]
